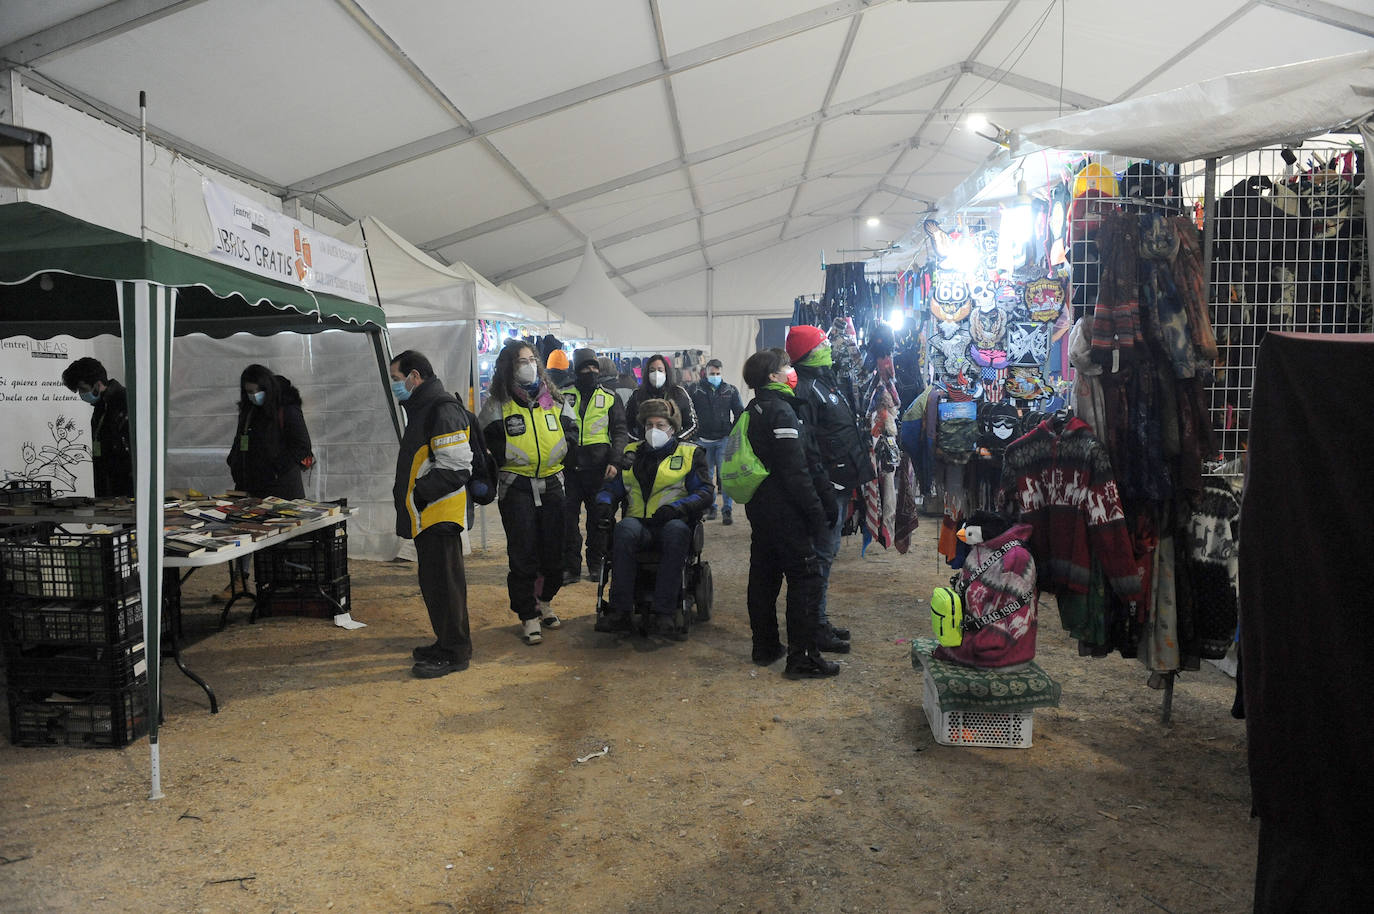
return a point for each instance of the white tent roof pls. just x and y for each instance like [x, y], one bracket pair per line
[537, 313]
[412, 286]
[680, 138]
[1233, 113]
[592, 300]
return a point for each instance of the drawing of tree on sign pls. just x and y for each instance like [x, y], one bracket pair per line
[54, 462]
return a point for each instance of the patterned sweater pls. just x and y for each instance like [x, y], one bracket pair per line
[1058, 479]
[1005, 594]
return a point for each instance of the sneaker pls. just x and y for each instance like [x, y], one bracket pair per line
[571, 577]
[828, 642]
[711, 514]
[427, 652]
[530, 632]
[612, 622]
[546, 616]
[769, 654]
[433, 669]
[841, 633]
[809, 666]
[725, 518]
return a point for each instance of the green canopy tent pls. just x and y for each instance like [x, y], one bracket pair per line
[60, 275]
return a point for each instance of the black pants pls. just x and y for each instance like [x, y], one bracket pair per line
[534, 543]
[632, 536]
[780, 548]
[581, 488]
[444, 587]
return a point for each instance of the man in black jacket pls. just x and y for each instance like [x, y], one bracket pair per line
[843, 449]
[432, 467]
[112, 461]
[792, 509]
[718, 406]
[596, 458]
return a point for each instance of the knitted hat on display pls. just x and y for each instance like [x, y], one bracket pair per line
[801, 340]
[558, 361]
[581, 357]
[664, 409]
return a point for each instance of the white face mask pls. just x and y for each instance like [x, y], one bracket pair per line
[656, 378]
[526, 373]
[657, 437]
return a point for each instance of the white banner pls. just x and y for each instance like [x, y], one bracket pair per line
[47, 427]
[253, 238]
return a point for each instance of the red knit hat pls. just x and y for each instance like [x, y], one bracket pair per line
[801, 340]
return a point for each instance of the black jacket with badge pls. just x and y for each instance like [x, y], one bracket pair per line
[598, 456]
[797, 496]
[671, 390]
[717, 409]
[277, 443]
[112, 461]
[843, 450]
[431, 413]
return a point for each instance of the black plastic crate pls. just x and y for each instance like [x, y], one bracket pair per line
[320, 558]
[86, 622]
[78, 670]
[23, 491]
[69, 566]
[304, 599]
[101, 718]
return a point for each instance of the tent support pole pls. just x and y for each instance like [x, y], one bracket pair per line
[711, 311]
[1209, 222]
[142, 165]
[381, 344]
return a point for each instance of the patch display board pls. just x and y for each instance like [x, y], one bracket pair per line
[47, 427]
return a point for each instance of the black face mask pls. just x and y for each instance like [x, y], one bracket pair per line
[586, 381]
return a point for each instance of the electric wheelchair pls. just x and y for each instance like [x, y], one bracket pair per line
[695, 595]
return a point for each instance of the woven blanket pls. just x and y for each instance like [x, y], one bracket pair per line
[966, 688]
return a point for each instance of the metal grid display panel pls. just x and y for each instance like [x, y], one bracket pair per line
[1289, 254]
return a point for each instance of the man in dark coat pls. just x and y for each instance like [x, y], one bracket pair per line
[432, 468]
[718, 405]
[112, 460]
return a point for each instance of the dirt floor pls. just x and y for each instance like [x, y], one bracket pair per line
[333, 780]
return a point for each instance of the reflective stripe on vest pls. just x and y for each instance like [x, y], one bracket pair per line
[535, 445]
[595, 424]
[670, 482]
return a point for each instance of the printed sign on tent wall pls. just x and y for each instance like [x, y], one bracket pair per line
[47, 427]
[1027, 343]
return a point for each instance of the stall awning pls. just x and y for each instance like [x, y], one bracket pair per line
[56, 272]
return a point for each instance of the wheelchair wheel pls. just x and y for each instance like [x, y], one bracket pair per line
[704, 592]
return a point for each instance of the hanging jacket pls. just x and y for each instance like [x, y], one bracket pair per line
[844, 451]
[277, 442]
[433, 463]
[999, 577]
[717, 408]
[675, 475]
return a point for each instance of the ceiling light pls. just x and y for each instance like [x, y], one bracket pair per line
[874, 222]
[978, 123]
[1015, 230]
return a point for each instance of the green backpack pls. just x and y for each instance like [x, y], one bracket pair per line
[742, 471]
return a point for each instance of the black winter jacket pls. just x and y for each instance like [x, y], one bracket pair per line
[717, 409]
[598, 456]
[430, 413]
[112, 461]
[276, 446]
[844, 451]
[797, 492]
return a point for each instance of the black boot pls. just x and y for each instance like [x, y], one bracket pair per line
[809, 666]
[841, 633]
[767, 654]
[828, 641]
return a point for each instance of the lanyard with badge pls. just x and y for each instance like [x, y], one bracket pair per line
[243, 438]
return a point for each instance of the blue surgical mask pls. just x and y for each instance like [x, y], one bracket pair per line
[398, 389]
[713, 379]
[258, 397]
[90, 396]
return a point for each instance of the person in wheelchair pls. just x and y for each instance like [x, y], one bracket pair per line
[666, 487]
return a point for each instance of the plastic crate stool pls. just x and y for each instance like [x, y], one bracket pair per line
[972, 707]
